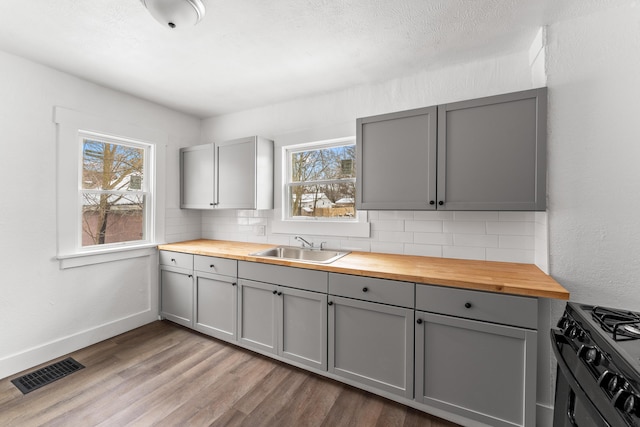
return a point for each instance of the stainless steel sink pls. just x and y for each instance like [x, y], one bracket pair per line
[318, 256]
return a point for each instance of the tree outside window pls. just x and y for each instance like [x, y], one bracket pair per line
[114, 192]
[321, 181]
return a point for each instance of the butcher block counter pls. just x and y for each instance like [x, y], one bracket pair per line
[499, 277]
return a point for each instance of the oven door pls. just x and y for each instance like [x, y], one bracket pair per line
[572, 406]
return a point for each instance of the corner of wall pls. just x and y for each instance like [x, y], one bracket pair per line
[537, 58]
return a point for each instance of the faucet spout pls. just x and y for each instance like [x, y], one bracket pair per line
[304, 242]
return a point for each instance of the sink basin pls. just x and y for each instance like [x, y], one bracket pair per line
[318, 256]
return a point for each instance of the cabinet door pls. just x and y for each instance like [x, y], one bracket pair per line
[257, 315]
[236, 174]
[216, 299]
[196, 177]
[302, 327]
[176, 295]
[479, 370]
[372, 344]
[396, 160]
[492, 153]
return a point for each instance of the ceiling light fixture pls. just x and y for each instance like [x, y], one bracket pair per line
[175, 13]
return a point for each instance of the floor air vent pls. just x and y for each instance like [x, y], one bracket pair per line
[34, 380]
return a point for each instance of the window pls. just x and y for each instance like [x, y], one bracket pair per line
[106, 180]
[114, 191]
[321, 181]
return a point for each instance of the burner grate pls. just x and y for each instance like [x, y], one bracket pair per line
[624, 325]
[36, 379]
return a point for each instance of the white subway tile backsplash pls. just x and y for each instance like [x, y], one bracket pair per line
[476, 240]
[433, 238]
[423, 226]
[395, 236]
[475, 216]
[511, 228]
[465, 227]
[423, 250]
[510, 255]
[461, 252]
[517, 242]
[497, 236]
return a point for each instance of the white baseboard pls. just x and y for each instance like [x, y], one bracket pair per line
[544, 415]
[18, 362]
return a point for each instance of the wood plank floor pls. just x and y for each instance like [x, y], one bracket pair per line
[164, 375]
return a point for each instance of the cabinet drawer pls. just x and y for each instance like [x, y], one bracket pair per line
[176, 259]
[491, 307]
[209, 264]
[311, 280]
[371, 289]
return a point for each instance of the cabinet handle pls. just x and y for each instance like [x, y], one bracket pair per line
[441, 203]
[211, 204]
[275, 292]
[173, 260]
[432, 202]
[365, 289]
[467, 305]
[190, 276]
[279, 293]
[212, 266]
[330, 303]
[419, 321]
[234, 284]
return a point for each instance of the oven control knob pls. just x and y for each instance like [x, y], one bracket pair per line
[592, 355]
[572, 331]
[610, 381]
[626, 402]
[563, 323]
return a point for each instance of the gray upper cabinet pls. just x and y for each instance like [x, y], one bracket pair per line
[235, 174]
[245, 174]
[492, 153]
[482, 154]
[396, 160]
[197, 167]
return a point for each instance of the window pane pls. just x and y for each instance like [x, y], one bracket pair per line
[108, 166]
[112, 218]
[323, 164]
[327, 201]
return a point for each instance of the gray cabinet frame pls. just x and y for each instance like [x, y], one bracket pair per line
[176, 295]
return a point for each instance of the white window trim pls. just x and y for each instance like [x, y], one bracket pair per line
[359, 227]
[71, 125]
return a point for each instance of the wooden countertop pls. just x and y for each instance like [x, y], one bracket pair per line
[501, 277]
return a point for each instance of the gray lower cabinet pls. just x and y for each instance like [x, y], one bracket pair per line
[176, 287]
[176, 295]
[216, 297]
[288, 322]
[372, 344]
[483, 371]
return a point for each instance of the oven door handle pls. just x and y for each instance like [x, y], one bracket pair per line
[576, 392]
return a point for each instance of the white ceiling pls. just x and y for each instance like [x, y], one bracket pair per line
[250, 53]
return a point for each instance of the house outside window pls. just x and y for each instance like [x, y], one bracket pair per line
[320, 181]
[115, 191]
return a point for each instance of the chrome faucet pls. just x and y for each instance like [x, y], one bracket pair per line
[304, 242]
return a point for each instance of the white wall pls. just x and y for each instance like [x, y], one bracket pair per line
[45, 311]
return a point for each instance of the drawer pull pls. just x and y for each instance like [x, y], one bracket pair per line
[234, 284]
[279, 293]
[467, 305]
[173, 260]
[212, 266]
[365, 289]
[275, 292]
[419, 321]
[330, 303]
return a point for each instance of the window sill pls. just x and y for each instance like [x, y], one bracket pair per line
[322, 228]
[100, 256]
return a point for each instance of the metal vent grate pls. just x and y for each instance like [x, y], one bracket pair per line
[34, 380]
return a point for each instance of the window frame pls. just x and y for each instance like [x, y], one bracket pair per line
[359, 228]
[147, 191]
[69, 124]
[289, 184]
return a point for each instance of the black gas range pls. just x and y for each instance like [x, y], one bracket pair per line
[598, 354]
